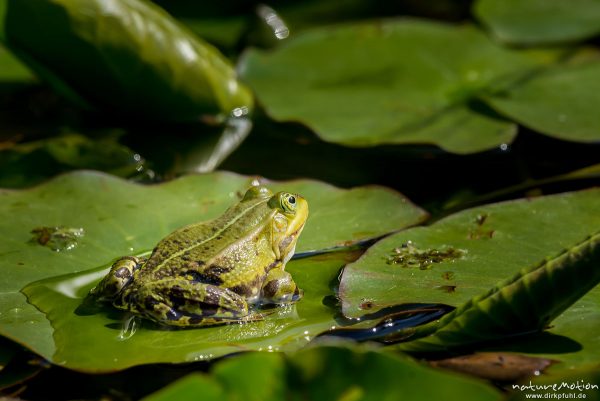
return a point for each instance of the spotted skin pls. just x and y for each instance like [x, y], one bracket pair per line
[214, 272]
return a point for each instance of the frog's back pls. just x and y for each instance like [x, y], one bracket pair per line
[193, 248]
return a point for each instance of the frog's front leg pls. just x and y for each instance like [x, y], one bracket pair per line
[280, 288]
[181, 302]
[119, 276]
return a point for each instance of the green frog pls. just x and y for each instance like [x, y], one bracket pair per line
[213, 272]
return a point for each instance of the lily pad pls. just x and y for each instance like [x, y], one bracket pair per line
[129, 57]
[524, 304]
[531, 22]
[324, 373]
[28, 163]
[121, 218]
[496, 242]
[559, 102]
[389, 82]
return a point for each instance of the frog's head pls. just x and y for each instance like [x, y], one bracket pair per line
[291, 212]
[120, 275]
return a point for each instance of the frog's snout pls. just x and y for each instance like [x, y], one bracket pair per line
[120, 275]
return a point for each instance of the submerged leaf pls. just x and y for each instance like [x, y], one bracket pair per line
[127, 56]
[496, 366]
[389, 82]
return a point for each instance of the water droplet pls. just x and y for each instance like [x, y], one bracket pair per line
[240, 111]
[504, 147]
[59, 238]
[270, 16]
[130, 325]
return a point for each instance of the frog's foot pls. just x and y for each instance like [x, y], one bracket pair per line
[183, 303]
[119, 276]
[280, 288]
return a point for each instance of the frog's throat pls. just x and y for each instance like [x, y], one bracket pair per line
[213, 236]
[284, 250]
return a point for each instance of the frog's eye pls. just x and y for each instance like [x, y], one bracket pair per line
[288, 203]
[285, 202]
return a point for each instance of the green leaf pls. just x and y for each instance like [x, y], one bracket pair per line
[525, 304]
[389, 82]
[30, 163]
[559, 102]
[532, 22]
[495, 243]
[128, 56]
[324, 373]
[3, 4]
[121, 218]
[190, 388]
[253, 376]
[12, 70]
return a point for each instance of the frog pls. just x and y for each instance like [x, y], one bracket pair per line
[215, 272]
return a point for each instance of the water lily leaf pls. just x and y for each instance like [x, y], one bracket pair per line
[28, 163]
[496, 366]
[190, 388]
[121, 218]
[526, 303]
[141, 60]
[532, 22]
[490, 243]
[389, 82]
[118, 346]
[324, 373]
[558, 102]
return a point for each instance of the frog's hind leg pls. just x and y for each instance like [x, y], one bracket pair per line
[184, 303]
[119, 276]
